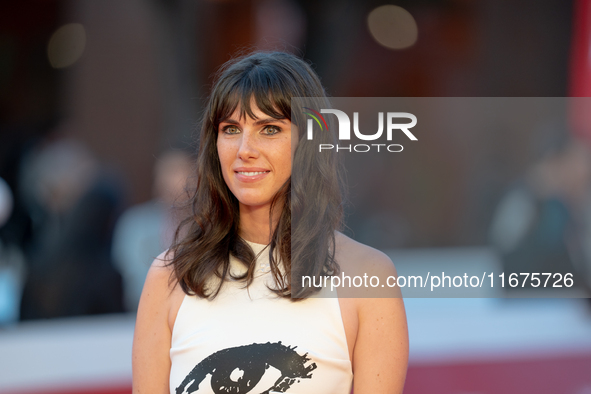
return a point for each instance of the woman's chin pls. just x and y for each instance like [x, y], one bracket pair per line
[254, 203]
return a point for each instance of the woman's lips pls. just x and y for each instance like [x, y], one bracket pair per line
[250, 174]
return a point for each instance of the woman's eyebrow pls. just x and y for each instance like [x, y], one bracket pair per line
[258, 122]
[269, 120]
[230, 121]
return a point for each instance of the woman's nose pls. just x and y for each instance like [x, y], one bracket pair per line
[248, 148]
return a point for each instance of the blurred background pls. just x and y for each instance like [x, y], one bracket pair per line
[99, 102]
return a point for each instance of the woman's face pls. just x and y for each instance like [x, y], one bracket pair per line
[255, 156]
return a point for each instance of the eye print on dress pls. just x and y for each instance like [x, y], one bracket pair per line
[237, 370]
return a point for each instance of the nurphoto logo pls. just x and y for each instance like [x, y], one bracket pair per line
[344, 131]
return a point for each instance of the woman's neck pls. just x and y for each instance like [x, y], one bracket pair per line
[254, 223]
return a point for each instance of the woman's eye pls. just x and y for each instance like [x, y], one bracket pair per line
[270, 130]
[230, 130]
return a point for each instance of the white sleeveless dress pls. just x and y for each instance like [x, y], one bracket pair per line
[249, 341]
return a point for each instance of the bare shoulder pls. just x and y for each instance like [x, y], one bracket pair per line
[160, 278]
[161, 289]
[358, 258]
[163, 261]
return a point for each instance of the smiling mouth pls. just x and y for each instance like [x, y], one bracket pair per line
[253, 173]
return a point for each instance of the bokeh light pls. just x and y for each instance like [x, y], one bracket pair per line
[392, 27]
[66, 45]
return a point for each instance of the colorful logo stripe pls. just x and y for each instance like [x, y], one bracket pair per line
[316, 119]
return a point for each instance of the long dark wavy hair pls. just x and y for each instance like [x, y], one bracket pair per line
[310, 202]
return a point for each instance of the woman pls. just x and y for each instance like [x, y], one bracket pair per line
[223, 311]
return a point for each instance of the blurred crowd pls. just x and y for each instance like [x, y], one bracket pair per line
[69, 243]
[543, 222]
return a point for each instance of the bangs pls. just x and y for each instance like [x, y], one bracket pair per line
[256, 85]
